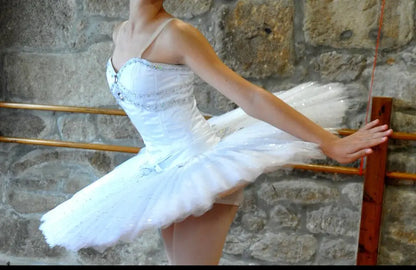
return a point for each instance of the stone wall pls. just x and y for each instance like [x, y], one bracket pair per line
[55, 51]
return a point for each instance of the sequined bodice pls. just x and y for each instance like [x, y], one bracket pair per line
[159, 100]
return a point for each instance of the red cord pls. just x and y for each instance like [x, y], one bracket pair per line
[373, 72]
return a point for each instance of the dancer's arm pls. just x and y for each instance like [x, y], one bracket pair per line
[195, 51]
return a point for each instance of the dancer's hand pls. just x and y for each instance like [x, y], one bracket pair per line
[357, 145]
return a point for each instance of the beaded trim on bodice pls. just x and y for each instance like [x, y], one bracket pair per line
[152, 100]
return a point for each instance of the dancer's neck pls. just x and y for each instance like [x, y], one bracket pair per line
[143, 12]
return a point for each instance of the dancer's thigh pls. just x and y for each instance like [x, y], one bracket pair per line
[200, 240]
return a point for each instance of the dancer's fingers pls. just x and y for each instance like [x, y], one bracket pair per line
[371, 124]
[382, 135]
[371, 142]
[357, 155]
[373, 133]
[379, 128]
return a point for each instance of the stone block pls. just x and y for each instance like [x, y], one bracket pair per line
[37, 248]
[36, 179]
[79, 179]
[41, 24]
[402, 233]
[77, 128]
[337, 252]
[285, 248]
[409, 56]
[76, 79]
[403, 122]
[13, 232]
[282, 217]
[94, 30]
[101, 162]
[403, 106]
[107, 8]
[209, 100]
[9, 152]
[118, 158]
[147, 250]
[390, 256]
[403, 119]
[354, 192]
[27, 202]
[3, 181]
[397, 245]
[21, 124]
[249, 203]
[231, 260]
[258, 38]
[3, 165]
[99, 20]
[28, 124]
[334, 220]
[239, 240]
[21, 237]
[396, 81]
[254, 222]
[402, 161]
[401, 202]
[29, 160]
[187, 9]
[118, 130]
[339, 67]
[2, 80]
[58, 177]
[300, 192]
[354, 24]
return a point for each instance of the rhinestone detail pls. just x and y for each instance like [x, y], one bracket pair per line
[154, 101]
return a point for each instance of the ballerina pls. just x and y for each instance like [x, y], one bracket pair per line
[189, 178]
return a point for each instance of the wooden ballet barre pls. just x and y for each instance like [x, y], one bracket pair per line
[58, 108]
[349, 171]
[87, 146]
[327, 169]
[401, 175]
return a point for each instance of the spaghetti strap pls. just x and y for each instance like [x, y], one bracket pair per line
[155, 35]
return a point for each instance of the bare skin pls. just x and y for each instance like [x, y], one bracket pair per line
[200, 240]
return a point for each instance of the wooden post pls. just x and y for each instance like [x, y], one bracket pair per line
[375, 172]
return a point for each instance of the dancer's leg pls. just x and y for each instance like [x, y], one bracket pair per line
[232, 197]
[200, 240]
[167, 236]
